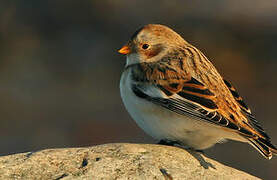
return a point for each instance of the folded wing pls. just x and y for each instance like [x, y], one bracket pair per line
[192, 98]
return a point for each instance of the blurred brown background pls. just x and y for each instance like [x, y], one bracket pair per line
[60, 70]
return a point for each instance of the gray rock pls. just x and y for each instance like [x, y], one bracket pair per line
[116, 161]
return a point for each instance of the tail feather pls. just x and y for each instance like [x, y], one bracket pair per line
[264, 146]
[268, 144]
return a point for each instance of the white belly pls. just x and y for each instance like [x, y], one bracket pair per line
[161, 123]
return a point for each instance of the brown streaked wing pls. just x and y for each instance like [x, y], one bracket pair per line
[195, 91]
[255, 124]
[192, 90]
[237, 97]
[252, 122]
[189, 108]
[206, 102]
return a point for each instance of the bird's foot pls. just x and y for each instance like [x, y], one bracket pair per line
[168, 142]
[179, 144]
[200, 151]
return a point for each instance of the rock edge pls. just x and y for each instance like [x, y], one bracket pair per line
[116, 161]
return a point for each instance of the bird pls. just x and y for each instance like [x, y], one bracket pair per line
[176, 95]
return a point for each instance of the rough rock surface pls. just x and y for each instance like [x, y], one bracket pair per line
[116, 161]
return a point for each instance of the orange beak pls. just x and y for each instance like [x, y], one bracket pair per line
[125, 50]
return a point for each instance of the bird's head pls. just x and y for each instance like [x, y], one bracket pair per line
[150, 43]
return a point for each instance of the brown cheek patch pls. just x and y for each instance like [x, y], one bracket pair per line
[152, 52]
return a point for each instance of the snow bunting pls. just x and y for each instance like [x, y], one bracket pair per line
[175, 94]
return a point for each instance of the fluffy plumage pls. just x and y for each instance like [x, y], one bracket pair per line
[175, 93]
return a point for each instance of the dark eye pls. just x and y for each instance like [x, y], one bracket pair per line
[145, 46]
